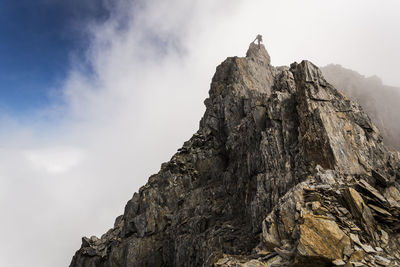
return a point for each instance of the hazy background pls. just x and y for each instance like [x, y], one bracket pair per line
[132, 92]
[381, 102]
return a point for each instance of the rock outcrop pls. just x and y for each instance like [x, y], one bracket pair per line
[284, 170]
[380, 101]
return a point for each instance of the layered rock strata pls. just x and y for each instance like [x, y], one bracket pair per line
[284, 170]
[378, 100]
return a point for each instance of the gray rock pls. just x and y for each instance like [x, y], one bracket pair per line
[382, 261]
[280, 166]
[378, 100]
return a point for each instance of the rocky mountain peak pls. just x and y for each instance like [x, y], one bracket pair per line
[258, 51]
[284, 170]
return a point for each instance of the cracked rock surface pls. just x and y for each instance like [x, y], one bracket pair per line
[284, 170]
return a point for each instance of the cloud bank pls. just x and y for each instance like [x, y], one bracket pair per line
[67, 171]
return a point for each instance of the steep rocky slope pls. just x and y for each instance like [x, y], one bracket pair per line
[284, 170]
[380, 101]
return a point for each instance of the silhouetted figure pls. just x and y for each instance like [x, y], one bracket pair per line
[258, 39]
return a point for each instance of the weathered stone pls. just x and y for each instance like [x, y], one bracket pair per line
[381, 179]
[366, 248]
[321, 238]
[382, 261]
[393, 195]
[384, 238]
[348, 251]
[338, 262]
[279, 172]
[357, 256]
[372, 190]
[360, 210]
[356, 264]
[378, 100]
[258, 52]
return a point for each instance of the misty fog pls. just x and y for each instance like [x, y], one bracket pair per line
[381, 102]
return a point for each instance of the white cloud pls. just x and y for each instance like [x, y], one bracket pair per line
[152, 64]
[55, 160]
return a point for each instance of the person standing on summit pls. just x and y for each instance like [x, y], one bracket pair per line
[258, 39]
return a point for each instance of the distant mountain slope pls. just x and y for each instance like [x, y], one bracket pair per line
[380, 101]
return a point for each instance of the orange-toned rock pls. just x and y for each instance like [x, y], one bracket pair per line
[321, 238]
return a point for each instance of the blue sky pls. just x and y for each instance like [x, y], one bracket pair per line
[37, 39]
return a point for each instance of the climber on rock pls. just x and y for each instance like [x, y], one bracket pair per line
[258, 39]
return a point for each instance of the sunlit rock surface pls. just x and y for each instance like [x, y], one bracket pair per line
[284, 171]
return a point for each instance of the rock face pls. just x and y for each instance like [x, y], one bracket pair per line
[380, 101]
[284, 171]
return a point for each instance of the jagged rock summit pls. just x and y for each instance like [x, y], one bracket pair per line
[284, 171]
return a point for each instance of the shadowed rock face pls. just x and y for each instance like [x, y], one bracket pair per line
[283, 170]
